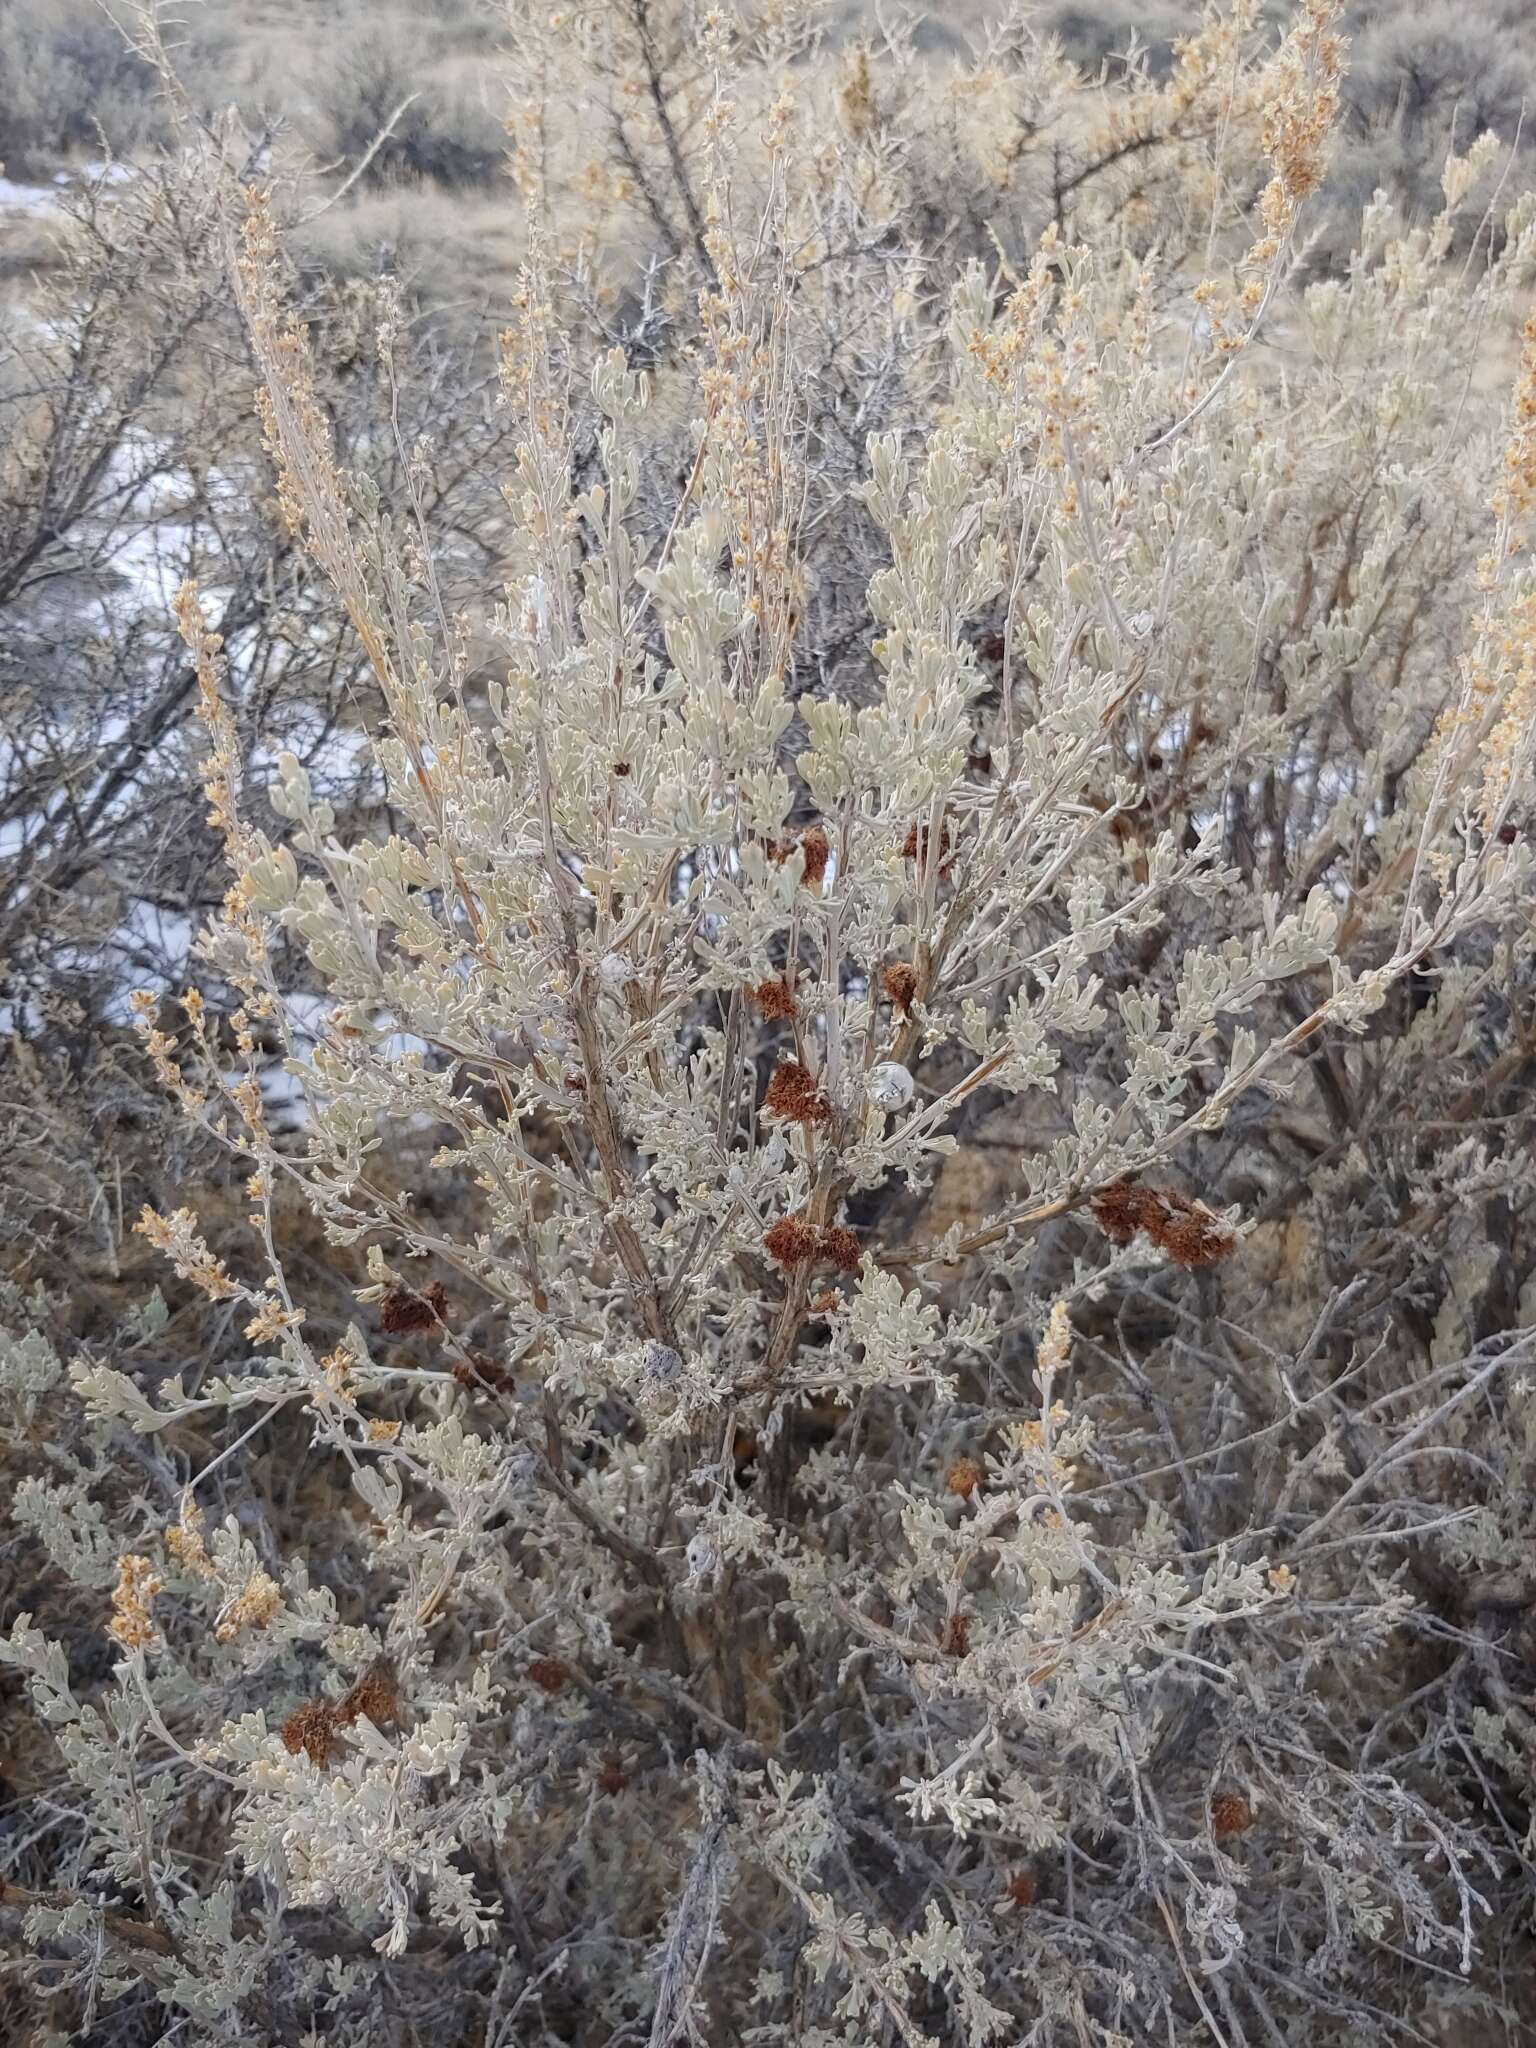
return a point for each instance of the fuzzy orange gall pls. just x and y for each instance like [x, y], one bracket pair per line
[1195, 1237]
[915, 845]
[827, 1304]
[794, 1096]
[1230, 1815]
[311, 1728]
[1185, 1230]
[480, 1374]
[374, 1695]
[956, 1640]
[840, 1246]
[791, 1241]
[1122, 1209]
[963, 1477]
[550, 1674]
[612, 1779]
[1023, 1888]
[815, 846]
[743, 1450]
[900, 984]
[774, 1000]
[405, 1310]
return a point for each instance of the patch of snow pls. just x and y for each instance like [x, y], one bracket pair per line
[16, 198]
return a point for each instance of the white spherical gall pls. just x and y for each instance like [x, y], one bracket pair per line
[703, 1556]
[888, 1086]
[661, 1365]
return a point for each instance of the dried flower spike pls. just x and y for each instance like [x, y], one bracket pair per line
[137, 1584]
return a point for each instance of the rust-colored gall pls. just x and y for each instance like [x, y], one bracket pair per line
[405, 1310]
[774, 1001]
[815, 846]
[900, 984]
[794, 1096]
[791, 1241]
[1186, 1230]
[1230, 1815]
[311, 1728]
[840, 1246]
[963, 1477]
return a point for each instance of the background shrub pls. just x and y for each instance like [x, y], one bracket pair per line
[70, 82]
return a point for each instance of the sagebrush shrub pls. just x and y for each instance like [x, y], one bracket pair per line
[907, 1417]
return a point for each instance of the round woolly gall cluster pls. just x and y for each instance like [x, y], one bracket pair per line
[1186, 1230]
[915, 846]
[815, 846]
[840, 1247]
[899, 981]
[794, 1242]
[661, 1365]
[311, 1728]
[956, 1640]
[774, 1001]
[963, 1477]
[794, 1096]
[1230, 1815]
[888, 1086]
[405, 1310]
